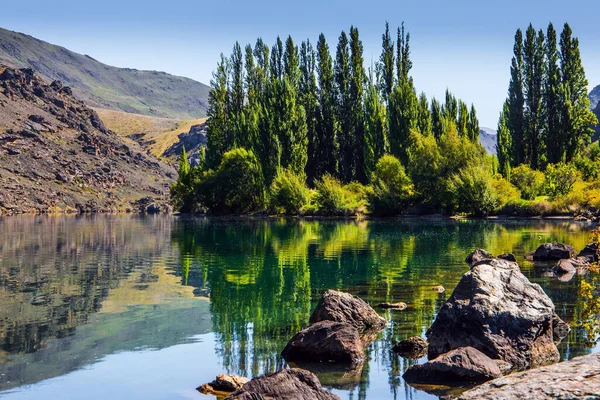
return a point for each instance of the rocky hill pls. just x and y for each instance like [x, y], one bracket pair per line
[594, 97]
[488, 138]
[100, 85]
[57, 155]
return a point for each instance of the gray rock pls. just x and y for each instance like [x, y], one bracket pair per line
[287, 384]
[344, 307]
[575, 379]
[326, 341]
[463, 365]
[498, 311]
[553, 252]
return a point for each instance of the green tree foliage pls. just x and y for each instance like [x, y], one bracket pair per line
[344, 109]
[463, 119]
[451, 107]
[553, 89]
[559, 179]
[357, 117]
[219, 138]
[530, 182]
[326, 127]
[533, 61]
[392, 188]
[437, 119]
[424, 123]
[182, 191]
[375, 127]
[403, 61]
[403, 116]
[310, 102]
[333, 198]
[516, 102]
[504, 144]
[386, 64]
[289, 192]
[473, 129]
[473, 191]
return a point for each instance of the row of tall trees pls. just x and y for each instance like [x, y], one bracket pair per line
[546, 117]
[317, 112]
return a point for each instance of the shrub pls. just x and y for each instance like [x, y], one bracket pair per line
[559, 179]
[588, 168]
[333, 198]
[526, 208]
[530, 182]
[505, 190]
[236, 187]
[472, 191]
[391, 188]
[288, 192]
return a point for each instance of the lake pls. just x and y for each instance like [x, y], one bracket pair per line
[130, 307]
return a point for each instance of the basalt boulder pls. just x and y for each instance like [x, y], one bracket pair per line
[344, 307]
[463, 365]
[287, 384]
[326, 341]
[553, 252]
[498, 311]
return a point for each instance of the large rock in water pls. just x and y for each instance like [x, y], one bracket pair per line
[464, 365]
[412, 348]
[498, 311]
[287, 384]
[575, 379]
[344, 307]
[326, 341]
[223, 384]
[553, 252]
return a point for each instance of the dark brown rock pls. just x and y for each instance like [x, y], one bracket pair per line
[575, 379]
[412, 348]
[560, 329]
[508, 257]
[553, 252]
[463, 365]
[392, 306]
[477, 256]
[590, 252]
[571, 266]
[326, 341]
[287, 384]
[223, 384]
[498, 311]
[344, 307]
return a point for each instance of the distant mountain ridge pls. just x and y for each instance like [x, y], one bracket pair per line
[488, 138]
[100, 85]
[594, 97]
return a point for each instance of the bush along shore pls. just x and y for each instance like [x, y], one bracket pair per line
[298, 130]
[496, 327]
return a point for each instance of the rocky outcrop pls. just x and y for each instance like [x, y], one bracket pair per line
[193, 141]
[344, 307]
[590, 252]
[412, 348]
[498, 311]
[462, 365]
[223, 384]
[553, 252]
[288, 384]
[326, 341]
[578, 378]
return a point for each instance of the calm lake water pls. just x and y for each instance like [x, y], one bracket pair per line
[125, 307]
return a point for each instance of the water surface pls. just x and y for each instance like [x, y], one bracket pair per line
[127, 307]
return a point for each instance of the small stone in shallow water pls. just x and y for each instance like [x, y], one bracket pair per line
[223, 384]
[439, 289]
[393, 306]
[412, 348]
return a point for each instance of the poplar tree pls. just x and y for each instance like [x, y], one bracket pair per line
[451, 107]
[473, 129]
[504, 145]
[403, 61]
[577, 118]
[291, 62]
[424, 123]
[357, 84]
[437, 119]
[403, 116]
[276, 63]
[219, 138]
[516, 102]
[344, 109]
[463, 119]
[236, 98]
[552, 100]
[309, 100]
[386, 64]
[327, 160]
[375, 127]
[533, 62]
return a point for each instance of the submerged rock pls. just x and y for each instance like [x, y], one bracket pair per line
[326, 341]
[575, 379]
[223, 384]
[498, 311]
[392, 306]
[412, 348]
[477, 256]
[439, 289]
[462, 365]
[553, 252]
[508, 257]
[590, 252]
[579, 265]
[287, 384]
[344, 307]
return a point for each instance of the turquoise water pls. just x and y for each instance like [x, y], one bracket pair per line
[127, 307]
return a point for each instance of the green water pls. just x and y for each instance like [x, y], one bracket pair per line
[129, 307]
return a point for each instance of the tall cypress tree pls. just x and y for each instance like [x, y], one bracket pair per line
[236, 99]
[357, 82]
[533, 62]
[309, 100]
[403, 61]
[344, 109]
[473, 126]
[504, 145]
[403, 116]
[463, 119]
[577, 118]
[552, 99]
[291, 62]
[219, 138]
[424, 123]
[516, 102]
[437, 119]
[375, 127]
[252, 109]
[386, 64]
[451, 107]
[276, 63]
[326, 124]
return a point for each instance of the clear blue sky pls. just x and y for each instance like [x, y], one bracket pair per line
[463, 45]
